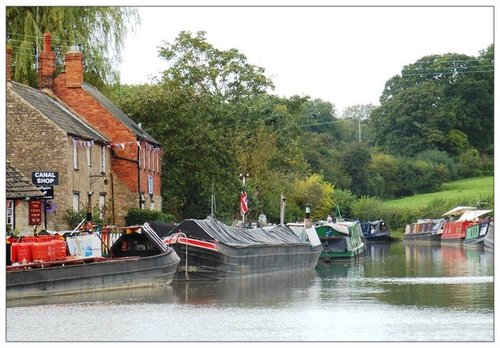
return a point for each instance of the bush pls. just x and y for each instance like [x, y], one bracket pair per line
[469, 164]
[345, 200]
[139, 216]
[441, 157]
[73, 218]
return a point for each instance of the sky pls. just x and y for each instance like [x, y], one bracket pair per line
[343, 55]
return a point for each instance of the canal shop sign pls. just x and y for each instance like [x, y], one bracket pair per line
[35, 213]
[45, 178]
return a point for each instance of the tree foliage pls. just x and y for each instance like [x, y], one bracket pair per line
[317, 193]
[197, 64]
[442, 102]
[213, 112]
[98, 31]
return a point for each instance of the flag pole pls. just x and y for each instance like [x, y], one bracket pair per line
[243, 209]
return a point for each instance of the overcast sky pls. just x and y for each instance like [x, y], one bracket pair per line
[343, 55]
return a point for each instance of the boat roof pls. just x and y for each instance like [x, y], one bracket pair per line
[472, 214]
[458, 210]
[212, 229]
[146, 231]
[341, 227]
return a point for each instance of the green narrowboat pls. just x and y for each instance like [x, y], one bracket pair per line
[340, 240]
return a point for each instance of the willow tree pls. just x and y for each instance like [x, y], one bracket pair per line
[99, 32]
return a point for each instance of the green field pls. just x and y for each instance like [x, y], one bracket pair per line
[475, 188]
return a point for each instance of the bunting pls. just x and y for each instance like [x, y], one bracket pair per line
[84, 144]
[149, 155]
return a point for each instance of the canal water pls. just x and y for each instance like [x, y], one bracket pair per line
[397, 292]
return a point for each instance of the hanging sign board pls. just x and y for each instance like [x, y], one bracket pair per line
[35, 212]
[48, 191]
[45, 178]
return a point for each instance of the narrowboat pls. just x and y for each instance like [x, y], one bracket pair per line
[455, 231]
[429, 230]
[489, 240]
[376, 231]
[340, 240]
[212, 250]
[49, 265]
[475, 234]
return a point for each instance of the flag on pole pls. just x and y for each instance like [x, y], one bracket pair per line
[243, 203]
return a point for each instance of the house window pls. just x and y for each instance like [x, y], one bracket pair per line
[102, 203]
[144, 157]
[76, 201]
[89, 156]
[75, 156]
[103, 159]
[150, 185]
[10, 213]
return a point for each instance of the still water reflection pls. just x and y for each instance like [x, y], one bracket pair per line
[397, 292]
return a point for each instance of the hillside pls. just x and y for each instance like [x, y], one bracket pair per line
[471, 188]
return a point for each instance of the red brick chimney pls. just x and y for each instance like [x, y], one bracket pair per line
[46, 64]
[74, 67]
[8, 63]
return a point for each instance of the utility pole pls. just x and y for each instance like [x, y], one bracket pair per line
[359, 129]
[282, 210]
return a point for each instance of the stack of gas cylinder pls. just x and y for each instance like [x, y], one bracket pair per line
[40, 248]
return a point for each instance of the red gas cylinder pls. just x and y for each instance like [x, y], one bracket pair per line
[60, 247]
[39, 251]
[51, 250]
[14, 247]
[24, 252]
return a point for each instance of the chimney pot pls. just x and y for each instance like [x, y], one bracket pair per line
[46, 64]
[47, 38]
[73, 67]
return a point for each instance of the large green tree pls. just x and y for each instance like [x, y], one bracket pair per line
[199, 158]
[225, 74]
[354, 158]
[442, 102]
[416, 119]
[211, 112]
[99, 32]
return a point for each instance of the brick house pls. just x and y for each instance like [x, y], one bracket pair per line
[58, 151]
[137, 156]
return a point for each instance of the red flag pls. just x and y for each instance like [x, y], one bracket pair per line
[243, 203]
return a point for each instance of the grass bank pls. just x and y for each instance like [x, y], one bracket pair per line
[469, 189]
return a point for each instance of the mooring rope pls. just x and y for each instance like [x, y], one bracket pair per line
[186, 275]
